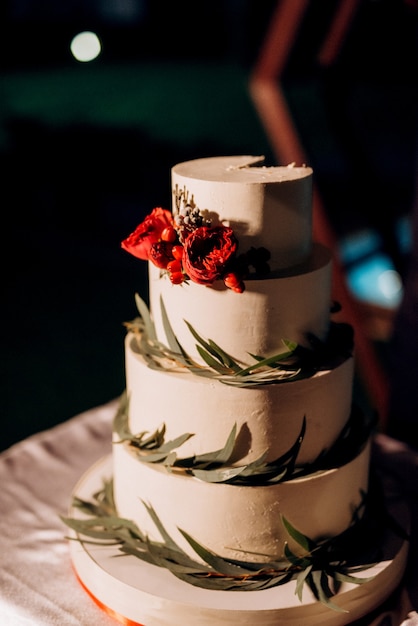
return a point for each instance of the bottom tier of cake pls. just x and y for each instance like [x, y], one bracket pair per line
[139, 593]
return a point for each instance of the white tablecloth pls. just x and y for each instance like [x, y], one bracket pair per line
[37, 584]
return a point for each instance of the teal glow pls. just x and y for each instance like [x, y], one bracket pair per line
[375, 280]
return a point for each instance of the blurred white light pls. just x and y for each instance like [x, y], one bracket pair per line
[85, 46]
[390, 284]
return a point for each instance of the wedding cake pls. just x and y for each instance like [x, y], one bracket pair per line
[240, 473]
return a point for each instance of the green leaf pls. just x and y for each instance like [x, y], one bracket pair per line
[166, 537]
[225, 358]
[174, 443]
[212, 362]
[169, 333]
[219, 564]
[152, 441]
[146, 318]
[153, 457]
[299, 562]
[220, 456]
[299, 537]
[319, 586]
[266, 362]
[200, 340]
[214, 350]
[258, 466]
[120, 422]
[301, 580]
[263, 377]
[220, 475]
[348, 578]
[175, 561]
[100, 527]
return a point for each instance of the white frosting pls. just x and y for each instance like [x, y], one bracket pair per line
[281, 307]
[269, 418]
[265, 206]
[235, 521]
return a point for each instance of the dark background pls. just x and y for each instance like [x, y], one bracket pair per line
[86, 151]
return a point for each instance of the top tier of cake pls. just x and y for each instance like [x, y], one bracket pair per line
[265, 206]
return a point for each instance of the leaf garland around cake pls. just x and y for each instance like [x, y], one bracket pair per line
[292, 363]
[216, 467]
[322, 565]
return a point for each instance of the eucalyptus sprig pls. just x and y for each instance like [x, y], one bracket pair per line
[323, 576]
[291, 363]
[218, 363]
[216, 466]
[320, 567]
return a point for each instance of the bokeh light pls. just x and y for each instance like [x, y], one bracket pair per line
[86, 46]
[390, 284]
[375, 280]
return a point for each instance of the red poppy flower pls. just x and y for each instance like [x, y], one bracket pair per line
[208, 252]
[148, 233]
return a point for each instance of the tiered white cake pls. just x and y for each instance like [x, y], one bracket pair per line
[238, 434]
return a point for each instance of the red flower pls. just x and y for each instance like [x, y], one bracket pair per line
[208, 252]
[140, 242]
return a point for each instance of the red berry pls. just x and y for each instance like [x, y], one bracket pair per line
[240, 288]
[177, 252]
[176, 278]
[174, 266]
[232, 281]
[169, 234]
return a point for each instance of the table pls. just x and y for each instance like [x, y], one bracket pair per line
[37, 583]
